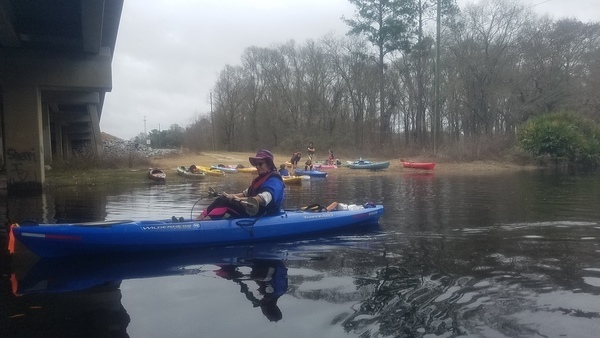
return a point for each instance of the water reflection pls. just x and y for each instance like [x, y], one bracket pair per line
[93, 312]
[271, 278]
[84, 292]
[509, 255]
[512, 282]
[84, 272]
[259, 270]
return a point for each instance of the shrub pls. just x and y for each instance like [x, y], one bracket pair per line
[561, 137]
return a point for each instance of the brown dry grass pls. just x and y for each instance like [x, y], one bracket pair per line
[235, 158]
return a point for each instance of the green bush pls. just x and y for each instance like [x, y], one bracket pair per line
[562, 138]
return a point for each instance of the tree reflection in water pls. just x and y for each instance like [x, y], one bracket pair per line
[93, 312]
[466, 285]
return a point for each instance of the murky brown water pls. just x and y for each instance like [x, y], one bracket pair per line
[508, 255]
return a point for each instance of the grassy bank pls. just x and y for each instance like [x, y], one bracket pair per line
[93, 176]
[127, 172]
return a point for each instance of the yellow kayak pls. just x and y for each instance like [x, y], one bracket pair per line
[210, 171]
[251, 170]
[292, 179]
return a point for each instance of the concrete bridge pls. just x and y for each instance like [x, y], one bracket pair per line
[55, 69]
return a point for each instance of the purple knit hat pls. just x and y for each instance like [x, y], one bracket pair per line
[262, 154]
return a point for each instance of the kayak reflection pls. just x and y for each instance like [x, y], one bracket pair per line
[75, 273]
[54, 286]
[82, 297]
[271, 279]
[58, 275]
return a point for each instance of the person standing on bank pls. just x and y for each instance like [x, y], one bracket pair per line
[331, 158]
[266, 192]
[295, 159]
[311, 151]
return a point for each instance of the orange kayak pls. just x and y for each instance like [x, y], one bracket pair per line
[419, 165]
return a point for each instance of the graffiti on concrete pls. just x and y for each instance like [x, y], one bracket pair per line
[26, 156]
[18, 164]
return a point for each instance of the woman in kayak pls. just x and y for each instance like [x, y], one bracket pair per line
[263, 197]
[283, 170]
[308, 166]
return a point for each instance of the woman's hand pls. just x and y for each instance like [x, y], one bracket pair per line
[231, 197]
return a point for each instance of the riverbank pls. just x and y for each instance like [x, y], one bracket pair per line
[234, 158]
[169, 163]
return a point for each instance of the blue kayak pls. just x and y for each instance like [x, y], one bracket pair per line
[362, 164]
[55, 240]
[312, 173]
[75, 273]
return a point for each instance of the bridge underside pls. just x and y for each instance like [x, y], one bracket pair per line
[55, 69]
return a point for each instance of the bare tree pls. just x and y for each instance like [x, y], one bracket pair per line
[230, 96]
[198, 135]
[484, 47]
[349, 59]
[500, 65]
[556, 62]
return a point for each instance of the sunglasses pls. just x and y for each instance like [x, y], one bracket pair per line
[258, 164]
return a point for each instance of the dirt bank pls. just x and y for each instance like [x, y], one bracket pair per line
[212, 158]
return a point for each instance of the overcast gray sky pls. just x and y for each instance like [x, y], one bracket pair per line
[169, 52]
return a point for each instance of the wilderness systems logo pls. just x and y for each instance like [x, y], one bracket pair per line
[186, 226]
[319, 215]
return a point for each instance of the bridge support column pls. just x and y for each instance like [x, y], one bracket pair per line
[24, 138]
[96, 134]
[58, 141]
[47, 134]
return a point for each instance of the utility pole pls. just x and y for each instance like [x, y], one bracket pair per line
[146, 133]
[212, 124]
[436, 113]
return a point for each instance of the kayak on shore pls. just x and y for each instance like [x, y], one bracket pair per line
[185, 172]
[418, 165]
[362, 164]
[311, 173]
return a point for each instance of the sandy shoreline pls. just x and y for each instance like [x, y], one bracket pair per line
[235, 158]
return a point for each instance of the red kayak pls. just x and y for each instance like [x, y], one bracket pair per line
[156, 175]
[419, 165]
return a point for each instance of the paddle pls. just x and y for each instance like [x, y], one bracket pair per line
[316, 207]
[250, 204]
[213, 193]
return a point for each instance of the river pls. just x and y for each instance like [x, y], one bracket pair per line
[512, 254]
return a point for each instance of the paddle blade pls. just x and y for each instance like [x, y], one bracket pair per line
[212, 192]
[251, 205]
[11, 239]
